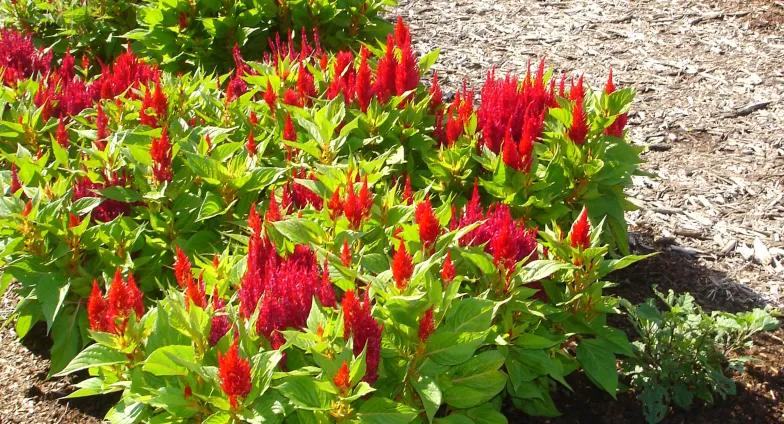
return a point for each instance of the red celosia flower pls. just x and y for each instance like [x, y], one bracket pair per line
[61, 134]
[511, 153]
[301, 195]
[161, 154]
[183, 21]
[154, 107]
[407, 71]
[402, 267]
[402, 34]
[108, 209]
[73, 220]
[28, 207]
[250, 144]
[609, 88]
[335, 204]
[326, 293]
[16, 185]
[363, 86]
[195, 293]
[270, 97]
[291, 98]
[427, 222]
[365, 198]
[448, 269]
[187, 392]
[342, 379]
[579, 129]
[234, 373]
[426, 325]
[289, 132]
[577, 91]
[616, 128]
[365, 331]
[19, 58]
[273, 210]
[345, 254]
[384, 87]
[102, 132]
[351, 208]
[343, 78]
[182, 269]
[253, 118]
[306, 88]
[254, 222]
[579, 236]
[408, 196]
[96, 309]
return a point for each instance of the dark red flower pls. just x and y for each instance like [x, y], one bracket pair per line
[363, 87]
[306, 88]
[270, 97]
[219, 325]
[250, 144]
[183, 21]
[426, 325]
[335, 204]
[579, 236]
[234, 373]
[161, 154]
[365, 332]
[16, 185]
[402, 267]
[273, 213]
[61, 134]
[102, 132]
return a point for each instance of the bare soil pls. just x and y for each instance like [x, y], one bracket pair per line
[710, 109]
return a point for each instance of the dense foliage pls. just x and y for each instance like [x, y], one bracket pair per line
[183, 34]
[684, 354]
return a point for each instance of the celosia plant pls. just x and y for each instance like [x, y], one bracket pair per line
[312, 213]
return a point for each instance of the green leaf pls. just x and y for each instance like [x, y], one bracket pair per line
[94, 356]
[51, 291]
[161, 361]
[452, 348]
[599, 364]
[301, 231]
[378, 410]
[303, 392]
[430, 395]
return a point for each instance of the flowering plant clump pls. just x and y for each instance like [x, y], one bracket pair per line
[316, 236]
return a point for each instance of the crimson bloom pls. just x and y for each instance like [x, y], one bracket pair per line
[111, 314]
[61, 134]
[426, 325]
[161, 154]
[219, 324]
[365, 332]
[289, 132]
[345, 254]
[579, 236]
[448, 269]
[342, 378]
[402, 267]
[234, 373]
[427, 222]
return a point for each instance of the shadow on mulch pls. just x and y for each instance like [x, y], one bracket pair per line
[759, 390]
[39, 343]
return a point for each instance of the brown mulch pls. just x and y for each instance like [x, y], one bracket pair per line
[710, 107]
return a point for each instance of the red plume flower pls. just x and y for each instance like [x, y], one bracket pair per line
[16, 185]
[579, 129]
[345, 254]
[363, 87]
[342, 379]
[427, 222]
[102, 132]
[273, 209]
[610, 87]
[436, 96]
[579, 236]
[448, 269]
[306, 88]
[270, 97]
[408, 195]
[61, 134]
[195, 293]
[289, 133]
[511, 154]
[161, 154]
[219, 325]
[335, 204]
[254, 222]
[182, 269]
[96, 309]
[384, 86]
[250, 144]
[234, 373]
[402, 267]
[426, 325]
[365, 332]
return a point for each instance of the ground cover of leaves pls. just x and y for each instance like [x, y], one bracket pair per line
[710, 108]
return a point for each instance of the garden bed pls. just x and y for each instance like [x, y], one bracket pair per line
[696, 71]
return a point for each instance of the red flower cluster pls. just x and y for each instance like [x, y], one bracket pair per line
[127, 71]
[448, 269]
[506, 239]
[356, 207]
[234, 373]
[616, 128]
[237, 86]
[458, 115]
[161, 154]
[16, 185]
[358, 322]
[219, 325]
[111, 314]
[108, 209]
[154, 107]
[61, 134]
[427, 222]
[299, 195]
[19, 58]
